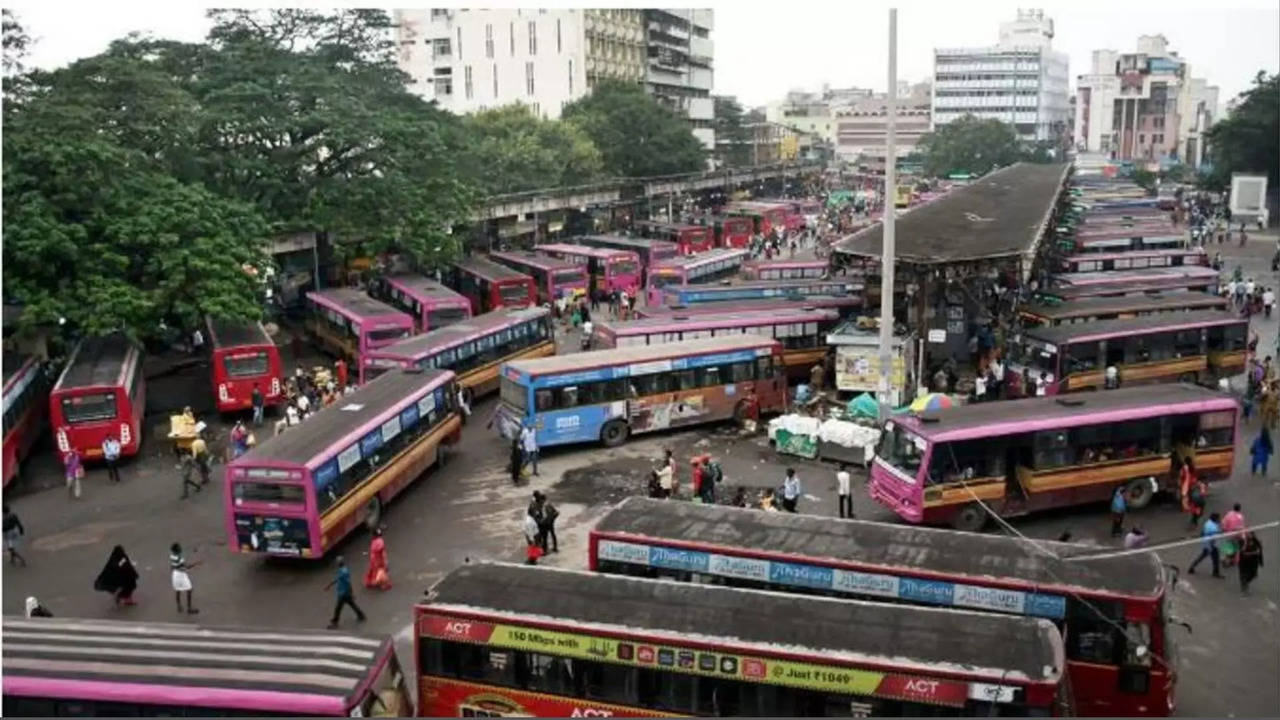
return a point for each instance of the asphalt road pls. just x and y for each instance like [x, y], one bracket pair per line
[1229, 662]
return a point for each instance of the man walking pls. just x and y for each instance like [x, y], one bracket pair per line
[13, 532]
[111, 456]
[529, 443]
[200, 456]
[842, 489]
[256, 400]
[187, 465]
[1118, 508]
[344, 594]
[1208, 545]
[790, 491]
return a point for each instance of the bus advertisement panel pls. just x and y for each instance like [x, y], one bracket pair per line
[26, 401]
[101, 393]
[489, 285]
[785, 269]
[608, 395]
[431, 304]
[514, 640]
[731, 231]
[298, 494]
[553, 277]
[609, 270]
[1024, 456]
[473, 349]
[73, 667]
[243, 356]
[702, 269]
[859, 560]
[1134, 260]
[1199, 346]
[349, 323]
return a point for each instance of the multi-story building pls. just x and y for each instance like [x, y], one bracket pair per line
[679, 72]
[469, 60]
[1144, 106]
[862, 126]
[1020, 80]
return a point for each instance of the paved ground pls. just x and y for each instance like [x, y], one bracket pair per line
[469, 509]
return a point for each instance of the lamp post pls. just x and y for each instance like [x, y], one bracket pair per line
[887, 251]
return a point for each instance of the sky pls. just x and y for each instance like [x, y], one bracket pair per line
[763, 48]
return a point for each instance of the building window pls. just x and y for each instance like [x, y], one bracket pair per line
[467, 86]
[528, 78]
[1142, 139]
[558, 47]
[459, 43]
[533, 37]
[440, 47]
[512, 30]
[488, 41]
[495, 81]
[570, 76]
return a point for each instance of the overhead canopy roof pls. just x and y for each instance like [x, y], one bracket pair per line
[1002, 214]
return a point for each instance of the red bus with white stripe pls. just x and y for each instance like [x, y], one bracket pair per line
[102, 391]
[242, 355]
[26, 400]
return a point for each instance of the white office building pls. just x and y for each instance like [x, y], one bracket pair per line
[1020, 80]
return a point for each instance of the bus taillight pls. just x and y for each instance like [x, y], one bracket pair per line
[223, 395]
[63, 444]
[125, 435]
[275, 386]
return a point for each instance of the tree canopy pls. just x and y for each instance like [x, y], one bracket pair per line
[1248, 140]
[733, 140]
[636, 136]
[969, 144]
[509, 149]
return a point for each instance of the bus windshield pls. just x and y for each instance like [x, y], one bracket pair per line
[622, 267]
[89, 408]
[246, 364]
[901, 449]
[388, 334]
[569, 277]
[269, 492]
[661, 278]
[446, 316]
[513, 394]
[514, 294]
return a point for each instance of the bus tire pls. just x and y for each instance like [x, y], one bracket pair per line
[971, 518]
[442, 455]
[373, 514]
[614, 433]
[1138, 493]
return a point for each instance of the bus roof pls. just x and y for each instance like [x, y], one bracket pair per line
[488, 269]
[637, 242]
[1127, 254]
[1159, 322]
[351, 301]
[424, 287]
[841, 283]
[668, 225]
[1119, 277]
[886, 545]
[587, 250]
[544, 262]
[15, 363]
[295, 671]
[97, 361]
[233, 333]
[712, 321]
[1010, 417]
[767, 264]
[344, 422]
[1086, 307]
[702, 258]
[929, 639]
[775, 303]
[625, 356]
[457, 333]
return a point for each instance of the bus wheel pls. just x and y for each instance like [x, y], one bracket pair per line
[614, 433]
[373, 513]
[971, 518]
[1138, 493]
[442, 456]
[1189, 377]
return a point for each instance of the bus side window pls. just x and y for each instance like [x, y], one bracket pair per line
[543, 399]
[764, 369]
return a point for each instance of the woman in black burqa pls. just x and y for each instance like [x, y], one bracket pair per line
[118, 577]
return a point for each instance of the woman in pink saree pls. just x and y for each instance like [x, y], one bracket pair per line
[378, 576]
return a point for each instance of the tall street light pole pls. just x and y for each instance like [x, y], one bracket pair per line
[890, 207]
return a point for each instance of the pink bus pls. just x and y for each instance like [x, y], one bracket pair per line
[689, 238]
[431, 304]
[650, 251]
[75, 667]
[708, 267]
[1111, 240]
[554, 278]
[846, 305]
[1133, 260]
[607, 270]
[1076, 286]
[299, 494]
[1022, 456]
[785, 269]
[349, 323]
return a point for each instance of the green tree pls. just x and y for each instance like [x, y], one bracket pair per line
[636, 136]
[971, 145]
[509, 149]
[733, 140]
[1248, 140]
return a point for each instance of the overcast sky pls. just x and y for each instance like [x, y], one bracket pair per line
[765, 47]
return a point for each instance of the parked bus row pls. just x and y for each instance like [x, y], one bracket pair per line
[1133, 260]
[1119, 283]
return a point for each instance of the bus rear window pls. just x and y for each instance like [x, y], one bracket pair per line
[660, 279]
[89, 408]
[514, 394]
[445, 316]
[388, 334]
[514, 293]
[269, 492]
[570, 277]
[623, 267]
[246, 364]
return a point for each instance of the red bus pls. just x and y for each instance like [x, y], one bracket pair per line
[102, 391]
[554, 277]
[26, 400]
[794, 215]
[689, 238]
[242, 355]
[513, 640]
[1113, 613]
[785, 269]
[650, 251]
[490, 286]
[731, 231]
[431, 304]
[607, 269]
[764, 217]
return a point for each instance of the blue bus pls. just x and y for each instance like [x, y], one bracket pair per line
[759, 290]
[609, 395]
